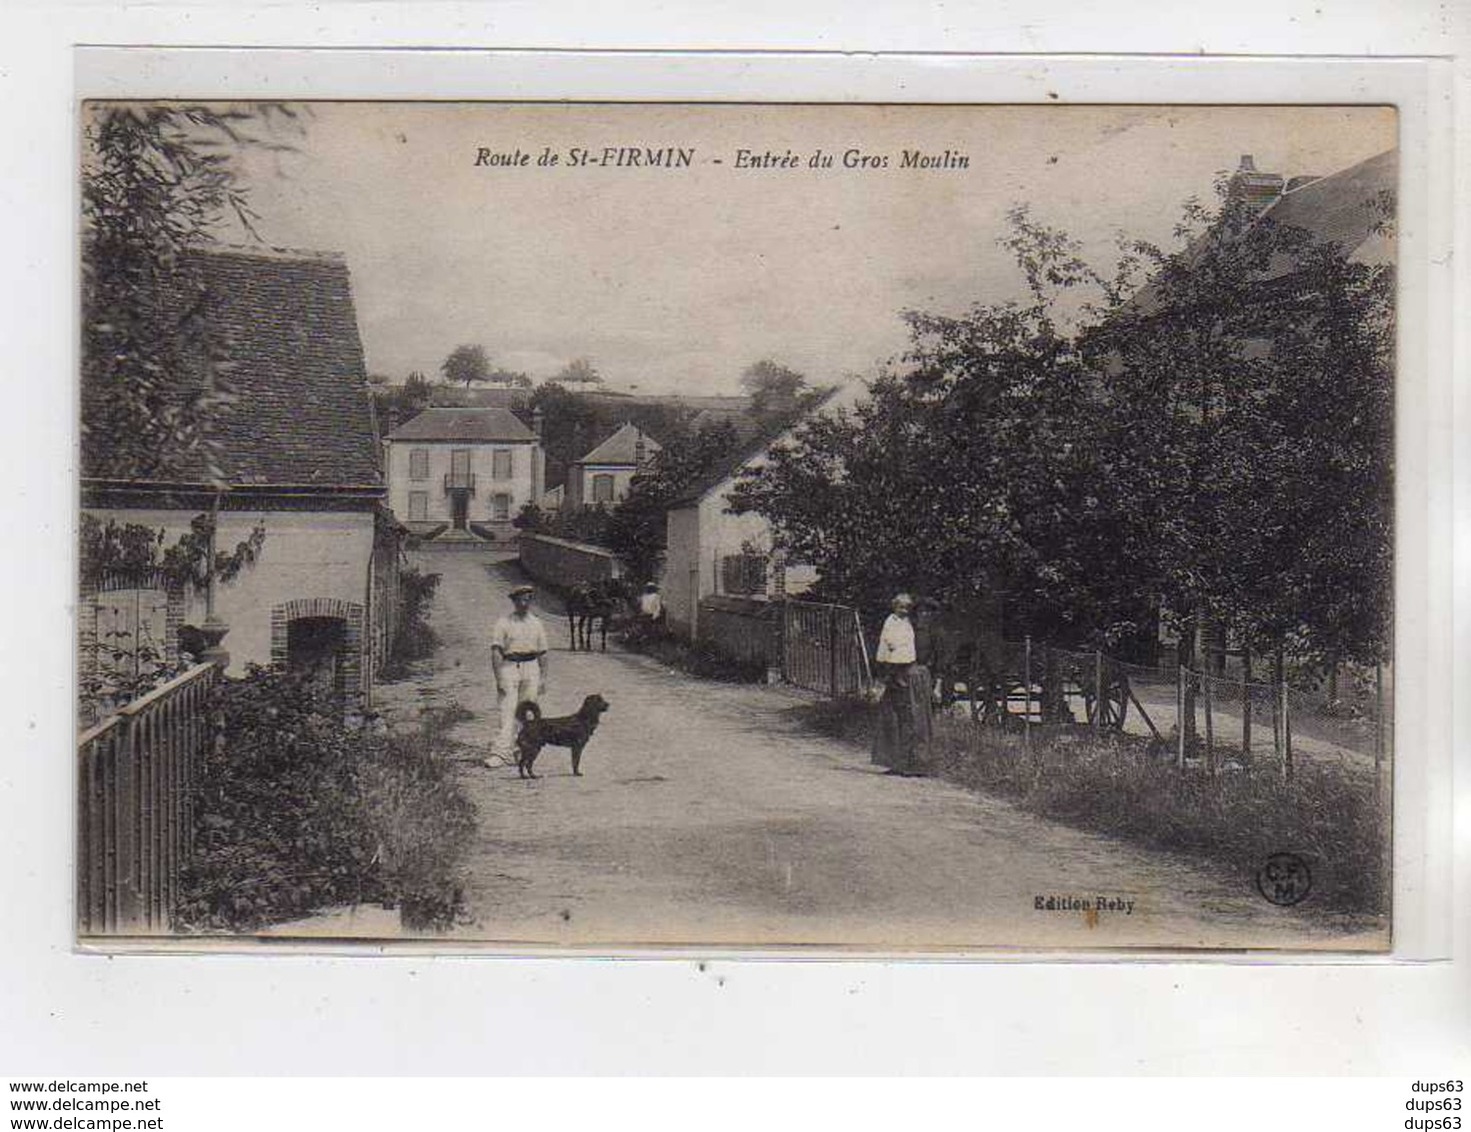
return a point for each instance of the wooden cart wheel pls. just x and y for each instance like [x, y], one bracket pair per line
[987, 698]
[1115, 702]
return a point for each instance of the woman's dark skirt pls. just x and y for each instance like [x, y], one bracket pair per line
[901, 741]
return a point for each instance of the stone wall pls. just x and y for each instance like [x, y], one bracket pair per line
[561, 562]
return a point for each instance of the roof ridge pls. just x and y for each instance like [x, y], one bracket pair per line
[272, 252]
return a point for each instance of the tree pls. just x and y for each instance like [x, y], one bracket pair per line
[579, 371]
[514, 378]
[573, 424]
[395, 404]
[777, 393]
[1252, 390]
[570, 427]
[157, 182]
[467, 364]
[1220, 438]
[418, 389]
[967, 475]
[636, 528]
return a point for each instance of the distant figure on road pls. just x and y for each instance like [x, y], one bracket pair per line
[650, 609]
[904, 711]
[518, 654]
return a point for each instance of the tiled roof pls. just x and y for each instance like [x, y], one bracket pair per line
[300, 414]
[1342, 207]
[697, 489]
[832, 398]
[471, 425]
[622, 448]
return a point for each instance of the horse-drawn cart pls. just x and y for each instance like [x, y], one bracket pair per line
[1015, 682]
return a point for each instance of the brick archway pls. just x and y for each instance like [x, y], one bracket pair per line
[352, 616]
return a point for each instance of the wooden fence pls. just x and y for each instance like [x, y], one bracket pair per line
[823, 648]
[135, 773]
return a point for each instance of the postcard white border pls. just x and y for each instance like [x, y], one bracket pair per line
[418, 1014]
[1422, 815]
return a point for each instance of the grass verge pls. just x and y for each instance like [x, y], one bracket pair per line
[1330, 816]
[696, 658]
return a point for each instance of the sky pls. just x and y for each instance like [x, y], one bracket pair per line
[675, 279]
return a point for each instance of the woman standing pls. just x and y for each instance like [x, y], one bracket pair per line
[904, 716]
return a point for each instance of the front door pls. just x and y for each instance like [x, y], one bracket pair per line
[459, 506]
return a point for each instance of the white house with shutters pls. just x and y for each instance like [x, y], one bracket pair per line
[463, 473]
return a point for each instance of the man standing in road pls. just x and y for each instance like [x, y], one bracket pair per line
[518, 654]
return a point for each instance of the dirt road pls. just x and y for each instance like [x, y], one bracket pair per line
[706, 815]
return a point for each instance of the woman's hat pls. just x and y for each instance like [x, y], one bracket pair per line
[517, 591]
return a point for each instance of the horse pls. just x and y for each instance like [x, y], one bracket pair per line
[593, 604]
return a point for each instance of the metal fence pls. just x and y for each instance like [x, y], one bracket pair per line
[135, 773]
[823, 649]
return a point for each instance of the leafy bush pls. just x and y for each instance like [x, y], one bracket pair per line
[296, 811]
[588, 523]
[117, 667]
[415, 639]
[423, 822]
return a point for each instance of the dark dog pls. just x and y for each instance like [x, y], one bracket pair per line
[565, 731]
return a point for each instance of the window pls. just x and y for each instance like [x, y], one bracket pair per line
[459, 468]
[418, 463]
[501, 464]
[418, 506]
[743, 574]
[602, 488]
[500, 506]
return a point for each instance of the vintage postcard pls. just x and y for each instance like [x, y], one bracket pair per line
[871, 528]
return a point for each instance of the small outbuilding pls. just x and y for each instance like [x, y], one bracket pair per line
[604, 475]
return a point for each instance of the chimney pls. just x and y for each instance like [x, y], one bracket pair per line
[1257, 190]
[536, 422]
[638, 452]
